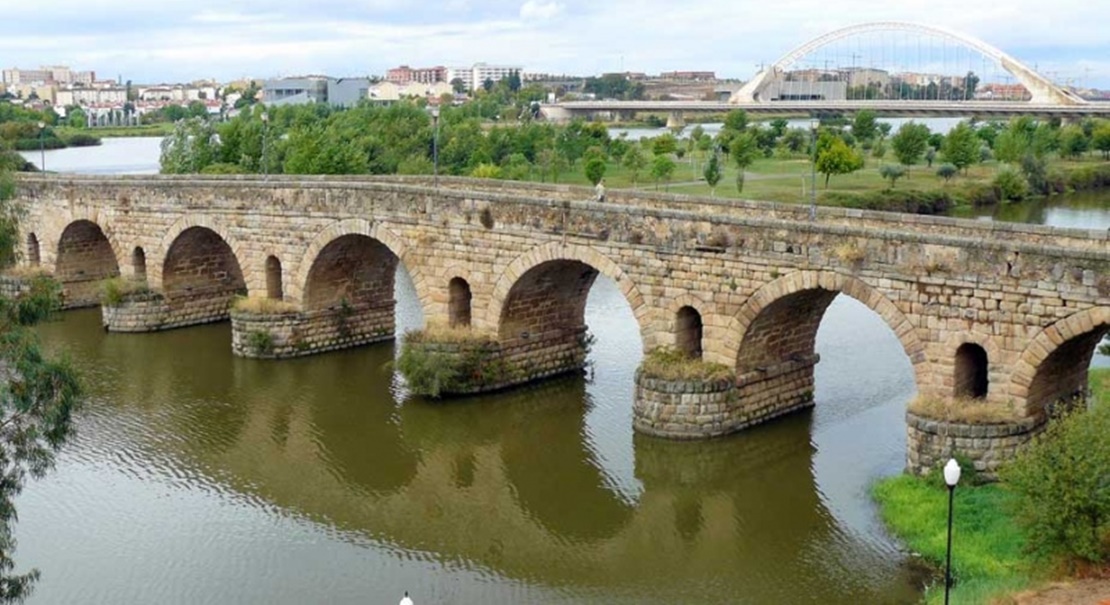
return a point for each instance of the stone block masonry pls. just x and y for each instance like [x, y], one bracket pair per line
[296, 333]
[1001, 312]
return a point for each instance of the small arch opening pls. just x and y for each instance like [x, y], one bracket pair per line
[971, 371]
[138, 262]
[273, 278]
[688, 332]
[33, 250]
[458, 305]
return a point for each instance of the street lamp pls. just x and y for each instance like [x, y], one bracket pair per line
[814, 124]
[951, 478]
[265, 131]
[42, 146]
[435, 145]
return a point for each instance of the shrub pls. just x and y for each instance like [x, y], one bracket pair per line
[262, 306]
[671, 364]
[223, 168]
[469, 364]
[962, 409]
[1010, 186]
[82, 139]
[947, 171]
[1062, 483]
[116, 290]
[913, 202]
[849, 253]
[260, 342]
[892, 172]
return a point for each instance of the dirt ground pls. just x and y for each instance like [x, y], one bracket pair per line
[1074, 592]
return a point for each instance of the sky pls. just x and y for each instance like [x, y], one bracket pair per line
[183, 40]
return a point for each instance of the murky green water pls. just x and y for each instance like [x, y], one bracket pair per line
[200, 477]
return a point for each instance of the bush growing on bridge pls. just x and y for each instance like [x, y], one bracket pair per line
[1062, 483]
[114, 291]
[666, 363]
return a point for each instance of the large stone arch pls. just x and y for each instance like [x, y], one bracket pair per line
[85, 256]
[253, 276]
[1054, 365]
[1043, 90]
[49, 228]
[823, 286]
[200, 267]
[296, 287]
[555, 251]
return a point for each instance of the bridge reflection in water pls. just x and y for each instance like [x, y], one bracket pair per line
[519, 497]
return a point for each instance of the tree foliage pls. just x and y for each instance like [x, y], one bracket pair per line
[662, 169]
[892, 172]
[713, 173]
[37, 401]
[1063, 485]
[961, 147]
[910, 143]
[835, 157]
[743, 150]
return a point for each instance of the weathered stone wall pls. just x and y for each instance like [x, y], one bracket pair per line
[135, 314]
[1019, 291]
[932, 442]
[295, 333]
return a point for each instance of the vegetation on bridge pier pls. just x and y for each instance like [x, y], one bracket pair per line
[1050, 515]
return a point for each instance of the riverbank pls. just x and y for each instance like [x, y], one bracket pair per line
[989, 562]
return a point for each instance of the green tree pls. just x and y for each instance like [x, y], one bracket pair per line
[634, 161]
[947, 171]
[835, 157]
[486, 171]
[662, 168]
[930, 156]
[713, 173]
[595, 170]
[961, 147]
[1063, 488]
[1100, 139]
[664, 144]
[910, 143]
[892, 172]
[76, 117]
[36, 404]
[190, 147]
[1073, 141]
[743, 151]
[865, 126]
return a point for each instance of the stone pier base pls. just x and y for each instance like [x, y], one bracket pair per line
[930, 443]
[151, 312]
[299, 333]
[479, 365]
[698, 409]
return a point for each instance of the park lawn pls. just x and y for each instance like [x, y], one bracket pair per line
[988, 560]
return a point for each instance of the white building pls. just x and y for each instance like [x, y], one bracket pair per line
[475, 75]
[90, 96]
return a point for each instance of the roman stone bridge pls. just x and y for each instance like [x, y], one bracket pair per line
[989, 314]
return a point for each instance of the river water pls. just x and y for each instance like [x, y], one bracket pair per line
[199, 477]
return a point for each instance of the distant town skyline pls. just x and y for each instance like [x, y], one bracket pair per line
[179, 40]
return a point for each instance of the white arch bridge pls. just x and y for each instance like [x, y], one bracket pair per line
[1046, 98]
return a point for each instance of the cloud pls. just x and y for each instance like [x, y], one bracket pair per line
[226, 39]
[534, 10]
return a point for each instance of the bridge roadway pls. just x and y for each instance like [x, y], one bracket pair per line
[966, 109]
[1004, 314]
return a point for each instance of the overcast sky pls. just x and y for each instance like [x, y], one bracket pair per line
[181, 40]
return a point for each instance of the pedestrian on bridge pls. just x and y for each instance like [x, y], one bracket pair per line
[599, 189]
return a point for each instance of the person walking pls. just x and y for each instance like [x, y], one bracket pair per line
[599, 189]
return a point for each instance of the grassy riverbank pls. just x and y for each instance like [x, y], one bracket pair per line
[988, 556]
[145, 130]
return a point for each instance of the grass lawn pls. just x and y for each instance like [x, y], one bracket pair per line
[987, 557]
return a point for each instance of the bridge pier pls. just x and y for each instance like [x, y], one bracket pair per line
[294, 333]
[676, 119]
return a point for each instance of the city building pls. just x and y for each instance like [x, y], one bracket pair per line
[90, 96]
[49, 74]
[475, 75]
[284, 91]
[424, 75]
[688, 76]
[347, 92]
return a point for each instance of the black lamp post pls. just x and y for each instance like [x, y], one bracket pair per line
[435, 145]
[951, 478]
[42, 146]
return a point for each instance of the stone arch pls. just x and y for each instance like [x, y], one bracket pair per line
[575, 253]
[201, 268]
[295, 290]
[1054, 365]
[274, 289]
[803, 296]
[138, 263]
[184, 223]
[688, 331]
[459, 299]
[50, 229]
[971, 378]
[717, 329]
[84, 258]
[34, 252]
[954, 378]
